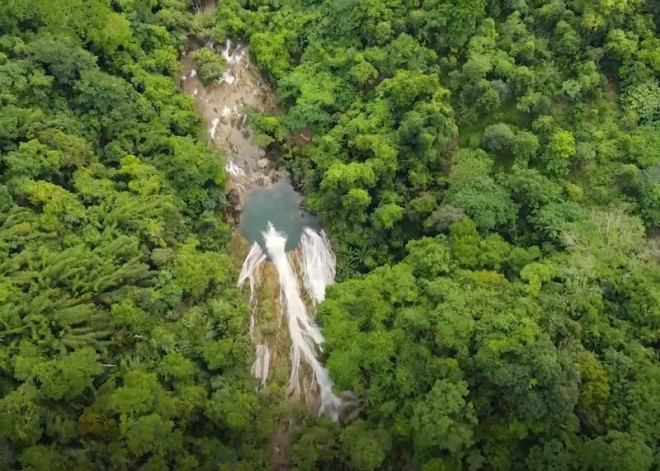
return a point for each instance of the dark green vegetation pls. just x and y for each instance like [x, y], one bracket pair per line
[211, 64]
[489, 171]
[123, 339]
[494, 166]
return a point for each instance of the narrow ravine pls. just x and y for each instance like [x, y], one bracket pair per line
[287, 247]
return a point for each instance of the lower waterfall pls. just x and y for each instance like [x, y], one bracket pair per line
[318, 268]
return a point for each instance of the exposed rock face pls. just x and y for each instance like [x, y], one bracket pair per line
[234, 207]
[223, 105]
[233, 199]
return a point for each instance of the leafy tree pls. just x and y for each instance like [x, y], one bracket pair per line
[476, 193]
[210, 65]
[498, 138]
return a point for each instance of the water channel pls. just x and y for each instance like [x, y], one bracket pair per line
[290, 261]
[288, 248]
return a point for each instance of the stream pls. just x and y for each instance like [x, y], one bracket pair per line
[256, 190]
[288, 248]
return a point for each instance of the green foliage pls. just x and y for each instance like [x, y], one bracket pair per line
[474, 191]
[488, 172]
[119, 314]
[490, 168]
[498, 138]
[643, 101]
[210, 65]
[270, 51]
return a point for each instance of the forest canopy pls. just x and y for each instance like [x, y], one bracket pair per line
[488, 172]
[123, 340]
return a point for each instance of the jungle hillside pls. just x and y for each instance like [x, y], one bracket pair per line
[487, 171]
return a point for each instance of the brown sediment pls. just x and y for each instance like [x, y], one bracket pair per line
[223, 106]
[301, 138]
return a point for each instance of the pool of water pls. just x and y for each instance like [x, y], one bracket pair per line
[279, 204]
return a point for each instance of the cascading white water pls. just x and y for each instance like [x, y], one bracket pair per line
[261, 365]
[234, 170]
[317, 266]
[305, 334]
[222, 105]
[233, 58]
[214, 128]
[249, 267]
[318, 263]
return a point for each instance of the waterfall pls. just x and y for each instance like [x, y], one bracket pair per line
[318, 263]
[214, 127]
[305, 334]
[261, 365]
[248, 269]
[234, 170]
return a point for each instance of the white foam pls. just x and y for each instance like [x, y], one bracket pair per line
[234, 170]
[228, 78]
[305, 334]
[318, 263]
[261, 365]
[214, 128]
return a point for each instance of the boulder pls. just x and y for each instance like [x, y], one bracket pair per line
[233, 199]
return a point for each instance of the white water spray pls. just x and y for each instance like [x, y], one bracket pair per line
[261, 365]
[234, 170]
[305, 334]
[228, 78]
[214, 127]
[318, 263]
[226, 112]
[249, 272]
[234, 57]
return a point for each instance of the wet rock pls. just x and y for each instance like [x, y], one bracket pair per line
[234, 208]
[263, 180]
[262, 163]
[233, 199]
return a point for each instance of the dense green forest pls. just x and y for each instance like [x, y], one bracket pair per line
[123, 338]
[488, 171]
